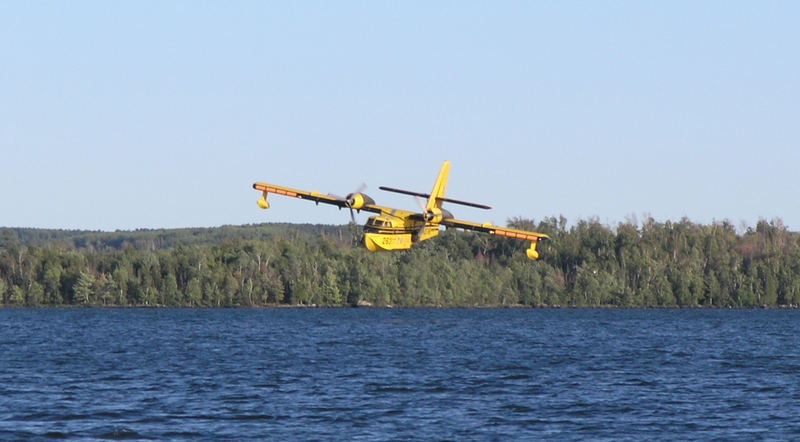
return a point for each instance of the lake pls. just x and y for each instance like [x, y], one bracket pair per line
[349, 374]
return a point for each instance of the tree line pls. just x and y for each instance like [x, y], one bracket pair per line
[588, 264]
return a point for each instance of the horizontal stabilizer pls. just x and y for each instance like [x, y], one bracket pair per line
[404, 192]
[426, 195]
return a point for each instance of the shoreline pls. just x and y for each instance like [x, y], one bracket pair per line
[391, 307]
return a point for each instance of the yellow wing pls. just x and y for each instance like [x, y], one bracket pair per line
[505, 232]
[356, 201]
[495, 230]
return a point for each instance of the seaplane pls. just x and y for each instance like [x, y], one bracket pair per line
[396, 229]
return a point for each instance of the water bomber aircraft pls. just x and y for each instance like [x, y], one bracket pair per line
[396, 229]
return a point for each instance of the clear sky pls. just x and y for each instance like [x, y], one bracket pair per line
[126, 115]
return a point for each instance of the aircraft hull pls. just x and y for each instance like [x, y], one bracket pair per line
[387, 241]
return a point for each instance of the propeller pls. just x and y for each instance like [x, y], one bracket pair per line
[425, 218]
[350, 200]
[352, 215]
[420, 203]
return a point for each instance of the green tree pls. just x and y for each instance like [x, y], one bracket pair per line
[35, 295]
[17, 297]
[83, 288]
[194, 293]
[331, 295]
[105, 289]
[52, 284]
[121, 278]
[172, 296]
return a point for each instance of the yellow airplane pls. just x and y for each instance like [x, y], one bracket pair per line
[395, 229]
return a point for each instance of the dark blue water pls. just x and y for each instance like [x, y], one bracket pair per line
[399, 374]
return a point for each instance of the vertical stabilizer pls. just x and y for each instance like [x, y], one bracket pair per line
[435, 200]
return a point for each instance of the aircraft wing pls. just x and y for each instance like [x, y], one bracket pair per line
[495, 230]
[356, 202]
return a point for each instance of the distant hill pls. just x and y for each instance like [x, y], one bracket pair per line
[160, 239]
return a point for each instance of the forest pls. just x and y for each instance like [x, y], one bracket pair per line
[586, 264]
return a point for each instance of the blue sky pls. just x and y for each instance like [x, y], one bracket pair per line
[126, 115]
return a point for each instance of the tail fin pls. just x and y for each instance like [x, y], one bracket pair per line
[437, 194]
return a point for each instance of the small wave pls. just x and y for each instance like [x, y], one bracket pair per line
[240, 398]
[113, 378]
[330, 409]
[182, 435]
[637, 382]
[515, 377]
[509, 368]
[121, 434]
[253, 417]
[378, 388]
[73, 417]
[515, 408]
[33, 417]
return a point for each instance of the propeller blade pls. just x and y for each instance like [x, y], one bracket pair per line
[349, 199]
[420, 202]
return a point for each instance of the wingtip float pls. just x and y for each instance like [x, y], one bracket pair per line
[395, 229]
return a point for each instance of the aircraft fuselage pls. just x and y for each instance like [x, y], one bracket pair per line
[387, 232]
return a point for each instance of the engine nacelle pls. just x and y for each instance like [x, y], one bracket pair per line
[434, 215]
[358, 200]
